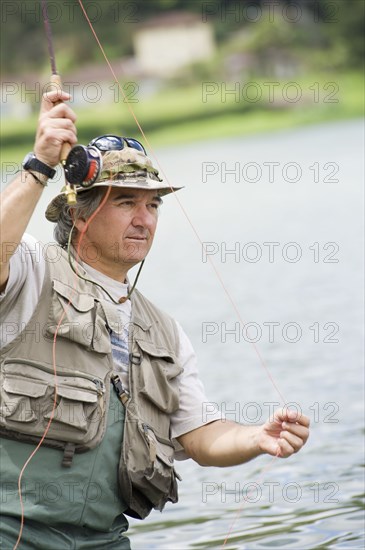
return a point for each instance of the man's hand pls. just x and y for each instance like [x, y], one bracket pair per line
[284, 434]
[56, 126]
[225, 443]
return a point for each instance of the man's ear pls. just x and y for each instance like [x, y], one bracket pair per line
[79, 222]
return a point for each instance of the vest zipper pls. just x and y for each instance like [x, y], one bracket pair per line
[100, 388]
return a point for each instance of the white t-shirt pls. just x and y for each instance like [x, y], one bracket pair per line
[19, 300]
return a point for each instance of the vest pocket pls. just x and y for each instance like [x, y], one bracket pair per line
[27, 396]
[16, 399]
[160, 473]
[82, 318]
[74, 408]
[157, 374]
[147, 474]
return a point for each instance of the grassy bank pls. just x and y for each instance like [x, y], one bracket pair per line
[181, 115]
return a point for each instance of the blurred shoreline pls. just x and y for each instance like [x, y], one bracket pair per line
[209, 110]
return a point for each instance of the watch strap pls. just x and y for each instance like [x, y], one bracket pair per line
[32, 164]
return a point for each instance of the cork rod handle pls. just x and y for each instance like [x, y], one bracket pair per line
[70, 190]
[56, 83]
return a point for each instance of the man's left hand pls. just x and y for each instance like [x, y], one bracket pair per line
[284, 434]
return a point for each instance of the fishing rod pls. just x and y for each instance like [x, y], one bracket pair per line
[56, 84]
[82, 165]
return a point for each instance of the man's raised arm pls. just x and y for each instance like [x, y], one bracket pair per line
[56, 126]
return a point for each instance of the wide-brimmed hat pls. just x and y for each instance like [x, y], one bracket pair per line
[127, 168]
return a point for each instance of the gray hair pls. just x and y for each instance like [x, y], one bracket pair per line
[87, 203]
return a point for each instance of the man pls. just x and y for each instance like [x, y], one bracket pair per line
[106, 379]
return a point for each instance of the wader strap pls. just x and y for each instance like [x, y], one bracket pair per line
[68, 455]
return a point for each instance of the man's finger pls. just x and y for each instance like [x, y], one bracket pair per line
[301, 419]
[50, 98]
[292, 416]
[296, 429]
[57, 123]
[285, 448]
[294, 441]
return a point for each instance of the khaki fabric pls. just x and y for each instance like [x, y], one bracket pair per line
[146, 470]
[127, 160]
[126, 168]
[83, 364]
[75, 309]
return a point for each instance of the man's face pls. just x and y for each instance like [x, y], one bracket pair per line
[121, 234]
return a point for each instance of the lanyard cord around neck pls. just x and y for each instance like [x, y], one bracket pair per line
[75, 270]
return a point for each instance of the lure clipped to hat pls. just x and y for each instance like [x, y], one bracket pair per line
[123, 164]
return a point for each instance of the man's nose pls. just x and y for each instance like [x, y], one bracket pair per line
[142, 216]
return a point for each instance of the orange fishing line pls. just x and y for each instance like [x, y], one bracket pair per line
[216, 271]
[263, 364]
[82, 233]
[261, 360]
[218, 275]
[238, 513]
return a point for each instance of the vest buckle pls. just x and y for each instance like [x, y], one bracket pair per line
[135, 358]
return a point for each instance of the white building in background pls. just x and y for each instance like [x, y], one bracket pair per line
[168, 42]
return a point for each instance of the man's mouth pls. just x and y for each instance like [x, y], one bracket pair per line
[136, 238]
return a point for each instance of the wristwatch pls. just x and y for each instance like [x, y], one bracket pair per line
[32, 164]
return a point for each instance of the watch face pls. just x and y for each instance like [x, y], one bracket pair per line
[27, 160]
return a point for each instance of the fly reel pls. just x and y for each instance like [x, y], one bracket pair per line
[83, 165]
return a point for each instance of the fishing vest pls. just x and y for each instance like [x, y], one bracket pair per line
[75, 310]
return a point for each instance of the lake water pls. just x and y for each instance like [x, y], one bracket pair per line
[284, 231]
